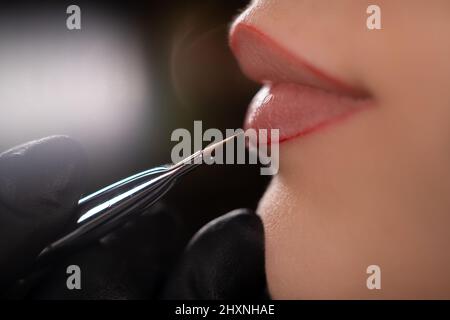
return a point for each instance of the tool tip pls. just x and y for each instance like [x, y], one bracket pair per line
[209, 150]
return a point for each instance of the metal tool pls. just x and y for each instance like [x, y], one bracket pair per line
[102, 211]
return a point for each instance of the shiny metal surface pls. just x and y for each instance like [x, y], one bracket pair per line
[104, 210]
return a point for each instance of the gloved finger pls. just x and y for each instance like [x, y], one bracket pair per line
[224, 260]
[40, 184]
[130, 263]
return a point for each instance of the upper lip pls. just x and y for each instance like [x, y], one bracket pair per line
[263, 60]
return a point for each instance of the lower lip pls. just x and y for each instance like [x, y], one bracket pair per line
[297, 110]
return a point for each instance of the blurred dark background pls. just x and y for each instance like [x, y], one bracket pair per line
[136, 71]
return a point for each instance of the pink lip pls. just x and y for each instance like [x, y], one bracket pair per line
[296, 97]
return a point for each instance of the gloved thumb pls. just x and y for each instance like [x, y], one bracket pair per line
[40, 184]
[224, 260]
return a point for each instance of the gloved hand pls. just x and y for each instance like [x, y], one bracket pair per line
[40, 184]
[224, 260]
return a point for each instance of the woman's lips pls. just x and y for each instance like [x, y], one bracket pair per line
[296, 97]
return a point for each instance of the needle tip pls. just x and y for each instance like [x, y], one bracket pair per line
[209, 150]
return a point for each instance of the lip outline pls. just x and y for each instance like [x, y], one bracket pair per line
[339, 87]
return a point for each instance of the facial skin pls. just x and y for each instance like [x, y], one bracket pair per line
[373, 189]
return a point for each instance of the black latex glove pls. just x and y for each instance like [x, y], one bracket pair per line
[224, 260]
[141, 260]
[40, 184]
